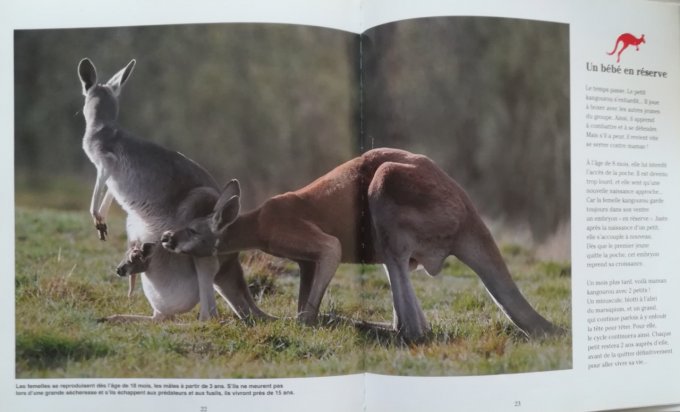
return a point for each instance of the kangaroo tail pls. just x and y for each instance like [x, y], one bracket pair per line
[616, 46]
[476, 248]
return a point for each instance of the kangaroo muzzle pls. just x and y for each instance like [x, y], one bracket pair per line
[121, 271]
[168, 240]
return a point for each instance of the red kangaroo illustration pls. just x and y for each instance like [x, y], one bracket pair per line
[628, 40]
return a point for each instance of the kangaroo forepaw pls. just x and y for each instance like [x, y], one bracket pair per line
[414, 337]
[414, 333]
[100, 225]
[308, 318]
[102, 230]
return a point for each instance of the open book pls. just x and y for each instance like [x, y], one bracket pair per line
[554, 127]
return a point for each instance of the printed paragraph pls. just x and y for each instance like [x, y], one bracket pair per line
[623, 211]
[618, 118]
[135, 389]
[626, 325]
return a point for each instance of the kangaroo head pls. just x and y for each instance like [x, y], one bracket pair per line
[136, 260]
[202, 236]
[101, 100]
[642, 39]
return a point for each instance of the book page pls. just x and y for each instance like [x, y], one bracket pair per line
[623, 152]
[271, 101]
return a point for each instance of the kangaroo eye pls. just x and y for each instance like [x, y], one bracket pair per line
[193, 232]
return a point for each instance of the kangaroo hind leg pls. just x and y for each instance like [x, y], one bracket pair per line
[206, 270]
[231, 285]
[408, 317]
[325, 268]
[403, 226]
[306, 278]
[319, 254]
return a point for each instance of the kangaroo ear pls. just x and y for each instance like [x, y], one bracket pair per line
[147, 248]
[233, 188]
[230, 190]
[87, 74]
[118, 80]
[226, 215]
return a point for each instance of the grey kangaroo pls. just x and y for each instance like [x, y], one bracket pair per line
[408, 212]
[159, 189]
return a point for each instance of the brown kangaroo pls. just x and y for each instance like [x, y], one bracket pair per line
[628, 40]
[387, 206]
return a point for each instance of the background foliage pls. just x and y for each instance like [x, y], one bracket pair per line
[277, 105]
[270, 104]
[486, 98]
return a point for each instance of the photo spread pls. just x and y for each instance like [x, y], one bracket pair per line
[397, 205]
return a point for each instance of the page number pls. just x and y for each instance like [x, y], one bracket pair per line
[517, 403]
[204, 409]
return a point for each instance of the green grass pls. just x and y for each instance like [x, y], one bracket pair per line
[65, 281]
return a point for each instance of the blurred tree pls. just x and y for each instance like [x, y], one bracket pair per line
[273, 105]
[486, 98]
[277, 105]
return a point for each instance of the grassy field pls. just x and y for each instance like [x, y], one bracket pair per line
[65, 281]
